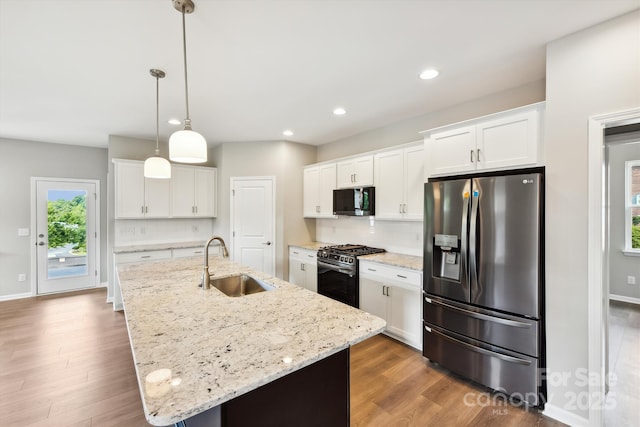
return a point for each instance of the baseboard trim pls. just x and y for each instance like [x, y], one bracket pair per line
[623, 298]
[564, 416]
[15, 296]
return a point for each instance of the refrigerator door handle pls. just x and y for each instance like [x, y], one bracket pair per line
[474, 240]
[480, 350]
[495, 319]
[465, 237]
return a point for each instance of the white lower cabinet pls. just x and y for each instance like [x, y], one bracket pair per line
[303, 268]
[393, 294]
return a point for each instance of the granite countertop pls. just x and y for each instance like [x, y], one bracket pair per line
[218, 347]
[314, 246]
[156, 247]
[411, 262]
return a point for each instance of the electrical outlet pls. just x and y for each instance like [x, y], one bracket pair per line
[22, 277]
[631, 280]
[128, 231]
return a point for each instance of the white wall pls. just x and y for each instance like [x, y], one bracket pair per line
[281, 159]
[591, 72]
[621, 266]
[19, 161]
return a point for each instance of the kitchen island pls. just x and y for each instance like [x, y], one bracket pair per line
[205, 350]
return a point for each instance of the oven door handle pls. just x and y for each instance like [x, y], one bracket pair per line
[336, 268]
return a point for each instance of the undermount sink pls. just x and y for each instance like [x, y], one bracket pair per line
[239, 285]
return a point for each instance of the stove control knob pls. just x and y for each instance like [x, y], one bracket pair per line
[350, 260]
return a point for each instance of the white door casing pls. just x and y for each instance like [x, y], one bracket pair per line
[253, 222]
[46, 277]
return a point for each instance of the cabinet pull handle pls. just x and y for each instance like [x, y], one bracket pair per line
[317, 209]
[471, 155]
[400, 207]
[295, 252]
[371, 269]
[146, 209]
[141, 209]
[302, 267]
[145, 256]
[401, 276]
[478, 154]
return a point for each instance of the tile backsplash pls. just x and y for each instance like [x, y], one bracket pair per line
[394, 236]
[150, 231]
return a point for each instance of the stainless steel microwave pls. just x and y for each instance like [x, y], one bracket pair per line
[354, 201]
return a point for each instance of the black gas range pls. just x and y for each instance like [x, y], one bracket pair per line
[338, 271]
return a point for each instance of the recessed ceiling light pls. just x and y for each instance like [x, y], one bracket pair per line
[174, 122]
[429, 74]
[287, 132]
[339, 111]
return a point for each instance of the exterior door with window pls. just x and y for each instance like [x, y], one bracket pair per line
[252, 223]
[66, 235]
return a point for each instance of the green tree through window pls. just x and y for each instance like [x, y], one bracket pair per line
[68, 223]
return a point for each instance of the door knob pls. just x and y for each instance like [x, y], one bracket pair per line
[267, 243]
[41, 243]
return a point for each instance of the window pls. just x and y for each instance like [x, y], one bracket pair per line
[632, 206]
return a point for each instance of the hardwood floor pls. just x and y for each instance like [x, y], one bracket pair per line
[65, 361]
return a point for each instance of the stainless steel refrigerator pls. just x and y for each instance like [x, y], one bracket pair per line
[483, 279]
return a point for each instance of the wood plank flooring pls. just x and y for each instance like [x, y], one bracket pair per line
[65, 360]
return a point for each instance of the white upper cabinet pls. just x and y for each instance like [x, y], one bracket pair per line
[399, 180]
[190, 192]
[355, 172]
[193, 191]
[137, 196]
[319, 183]
[503, 140]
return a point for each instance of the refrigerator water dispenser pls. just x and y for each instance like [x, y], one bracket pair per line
[446, 256]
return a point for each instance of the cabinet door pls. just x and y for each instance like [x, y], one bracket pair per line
[346, 169]
[389, 184]
[204, 192]
[297, 274]
[327, 183]
[311, 192]
[372, 297]
[452, 151]
[404, 319]
[156, 196]
[182, 191]
[363, 171]
[413, 183]
[129, 190]
[508, 141]
[311, 276]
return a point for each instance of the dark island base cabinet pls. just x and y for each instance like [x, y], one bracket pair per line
[317, 395]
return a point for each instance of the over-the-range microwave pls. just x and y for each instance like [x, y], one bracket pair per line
[359, 201]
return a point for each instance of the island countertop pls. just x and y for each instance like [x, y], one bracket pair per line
[218, 347]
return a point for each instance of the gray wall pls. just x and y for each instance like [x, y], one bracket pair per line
[281, 159]
[408, 130]
[621, 266]
[591, 72]
[21, 160]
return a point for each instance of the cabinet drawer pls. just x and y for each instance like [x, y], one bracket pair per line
[307, 256]
[398, 276]
[197, 251]
[143, 256]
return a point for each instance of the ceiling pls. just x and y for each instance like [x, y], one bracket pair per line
[76, 71]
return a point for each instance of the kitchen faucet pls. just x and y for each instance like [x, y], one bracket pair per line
[206, 277]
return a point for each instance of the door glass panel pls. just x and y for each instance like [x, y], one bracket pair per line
[67, 233]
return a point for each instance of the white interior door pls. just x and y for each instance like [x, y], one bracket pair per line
[252, 222]
[66, 238]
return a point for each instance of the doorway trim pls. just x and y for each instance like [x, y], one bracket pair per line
[33, 273]
[598, 281]
[232, 181]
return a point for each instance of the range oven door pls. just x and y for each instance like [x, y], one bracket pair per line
[340, 284]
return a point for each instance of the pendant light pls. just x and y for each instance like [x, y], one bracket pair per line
[186, 146]
[156, 166]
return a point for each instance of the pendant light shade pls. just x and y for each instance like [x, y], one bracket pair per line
[186, 146]
[156, 166]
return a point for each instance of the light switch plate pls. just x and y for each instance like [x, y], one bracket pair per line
[23, 231]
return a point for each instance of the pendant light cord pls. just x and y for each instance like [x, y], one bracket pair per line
[186, 85]
[157, 115]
